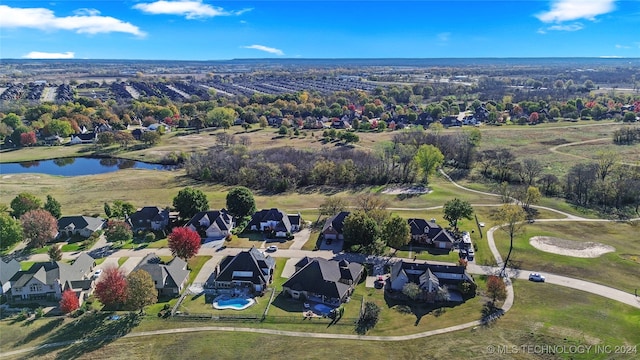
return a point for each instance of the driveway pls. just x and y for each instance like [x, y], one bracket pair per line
[131, 263]
[207, 269]
[300, 238]
[289, 267]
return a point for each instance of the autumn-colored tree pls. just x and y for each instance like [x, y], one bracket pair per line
[39, 226]
[28, 138]
[534, 117]
[69, 302]
[118, 231]
[184, 242]
[496, 288]
[141, 290]
[111, 290]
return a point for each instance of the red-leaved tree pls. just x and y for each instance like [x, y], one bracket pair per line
[533, 118]
[28, 138]
[69, 301]
[496, 288]
[184, 242]
[111, 290]
[39, 226]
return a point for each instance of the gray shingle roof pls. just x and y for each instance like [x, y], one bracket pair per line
[322, 276]
[336, 221]
[80, 222]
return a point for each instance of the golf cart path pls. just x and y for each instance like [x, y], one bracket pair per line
[577, 284]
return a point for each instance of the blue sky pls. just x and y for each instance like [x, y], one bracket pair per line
[215, 30]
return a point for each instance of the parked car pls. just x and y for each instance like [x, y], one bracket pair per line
[470, 254]
[536, 277]
[97, 274]
[272, 248]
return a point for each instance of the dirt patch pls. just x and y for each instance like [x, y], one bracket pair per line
[403, 190]
[566, 247]
[632, 257]
[555, 142]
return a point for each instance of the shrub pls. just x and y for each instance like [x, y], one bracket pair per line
[369, 318]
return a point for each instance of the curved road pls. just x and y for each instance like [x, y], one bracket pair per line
[582, 285]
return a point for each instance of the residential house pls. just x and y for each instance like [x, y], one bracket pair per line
[149, 218]
[7, 270]
[429, 233]
[212, 224]
[332, 229]
[321, 280]
[83, 138]
[341, 123]
[47, 281]
[431, 278]
[275, 220]
[450, 121]
[169, 278]
[79, 225]
[249, 269]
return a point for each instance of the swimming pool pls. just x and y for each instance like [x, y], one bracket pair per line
[322, 308]
[237, 303]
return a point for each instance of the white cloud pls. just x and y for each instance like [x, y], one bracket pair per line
[81, 23]
[568, 10]
[266, 49]
[191, 9]
[568, 27]
[48, 55]
[444, 37]
[87, 12]
[618, 46]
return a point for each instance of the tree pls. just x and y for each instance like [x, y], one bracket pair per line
[53, 206]
[24, 202]
[28, 138]
[122, 209]
[60, 128]
[216, 116]
[428, 158]
[184, 242]
[10, 231]
[189, 202]
[141, 290]
[107, 210]
[629, 116]
[411, 290]
[118, 231]
[368, 202]
[395, 232]
[150, 137]
[332, 205]
[496, 288]
[369, 317]
[111, 290]
[359, 229]
[240, 202]
[69, 302]
[455, 210]
[512, 219]
[39, 226]
[532, 196]
[55, 253]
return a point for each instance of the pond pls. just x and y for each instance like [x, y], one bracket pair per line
[77, 166]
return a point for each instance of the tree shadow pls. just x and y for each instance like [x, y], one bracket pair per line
[42, 330]
[94, 330]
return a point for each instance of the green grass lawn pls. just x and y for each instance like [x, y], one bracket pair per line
[541, 315]
[122, 260]
[195, 264]
[617, 269]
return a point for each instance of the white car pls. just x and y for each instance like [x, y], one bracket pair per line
[272, 248]
[536, 277]
[97, 274]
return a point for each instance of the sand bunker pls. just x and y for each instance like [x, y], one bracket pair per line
[406, 190]
[565, 247]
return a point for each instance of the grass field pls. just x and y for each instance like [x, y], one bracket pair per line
[617, 269]
[551, 315]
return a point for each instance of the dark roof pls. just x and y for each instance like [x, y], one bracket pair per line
[414, 271]
[86, 136]
[336, 222]
[253, 261]
[143, 217]
[171, 275]
[80, 222]
[322, 276]
[221, 218]
[421, 226]
[273, 214]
